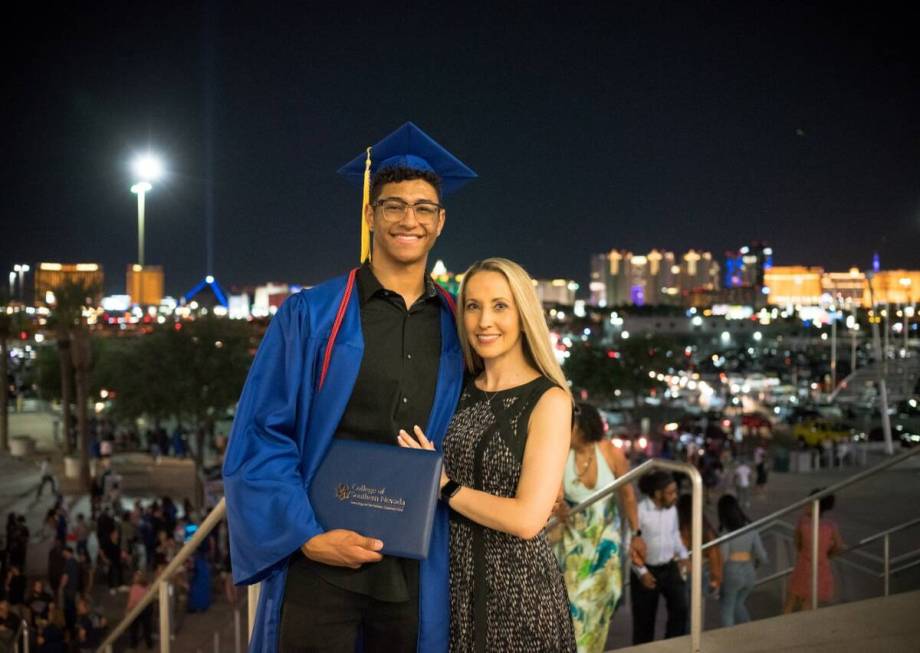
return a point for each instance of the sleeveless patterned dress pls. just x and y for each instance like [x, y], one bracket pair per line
[590, 556]
[506, 594]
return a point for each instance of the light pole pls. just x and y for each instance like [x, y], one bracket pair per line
[833, 348]
[908, 311]
[21, 271]
[140, 189]
[881, 371]
[147, 169]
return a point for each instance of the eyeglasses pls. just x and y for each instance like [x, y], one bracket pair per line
[396, 209]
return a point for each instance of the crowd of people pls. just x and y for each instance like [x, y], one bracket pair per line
[594, 552]
[117, 549]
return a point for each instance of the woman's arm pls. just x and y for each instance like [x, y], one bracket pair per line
[618, 463]
[548, 441]
[620, 466]
[837, 543]
[523, 515]
[760, 553]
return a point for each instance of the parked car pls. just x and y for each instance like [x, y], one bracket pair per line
[756, 421]
[815, 431]
[900, 433]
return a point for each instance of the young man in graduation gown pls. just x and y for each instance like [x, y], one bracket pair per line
[395, 362]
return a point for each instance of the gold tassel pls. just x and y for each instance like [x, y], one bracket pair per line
[365, 230]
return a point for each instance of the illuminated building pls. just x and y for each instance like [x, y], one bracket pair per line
[620, 277]
[145, 284]
[555, 291]
[895, 287]
[811, 286]
[748, 266]
[269, 297]
[49, 276]
[794, 285]
[845, 289]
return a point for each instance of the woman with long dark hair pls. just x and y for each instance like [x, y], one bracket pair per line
[739, 555]
[712, 557]
[589, 549]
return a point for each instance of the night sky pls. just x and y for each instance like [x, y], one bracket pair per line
[632, 125]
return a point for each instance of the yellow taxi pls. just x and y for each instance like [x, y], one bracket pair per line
[815, 431]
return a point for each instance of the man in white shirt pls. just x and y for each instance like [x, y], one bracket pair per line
[743, 484]
[47, 477]
[664, 567]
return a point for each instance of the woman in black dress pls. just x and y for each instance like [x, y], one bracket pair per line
[504, 456]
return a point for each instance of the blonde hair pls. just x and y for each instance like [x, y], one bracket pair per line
[536, 342]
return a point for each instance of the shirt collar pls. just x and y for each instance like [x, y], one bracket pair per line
[369, 285]
[651, 505]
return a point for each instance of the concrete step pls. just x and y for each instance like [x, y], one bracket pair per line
[888, 624]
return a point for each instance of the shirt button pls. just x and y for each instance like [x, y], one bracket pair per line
[405, 400]
[408, 355]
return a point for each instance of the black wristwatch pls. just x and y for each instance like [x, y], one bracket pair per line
[450, 489]
[637, 532]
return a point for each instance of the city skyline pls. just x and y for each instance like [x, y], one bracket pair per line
[637, 127]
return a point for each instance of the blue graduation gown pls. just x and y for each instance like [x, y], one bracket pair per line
[282, 430]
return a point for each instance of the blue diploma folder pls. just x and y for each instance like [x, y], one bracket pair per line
[379, 490]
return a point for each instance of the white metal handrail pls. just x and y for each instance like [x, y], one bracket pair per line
[758, 524]
[815, 501]
[886, 560]
[763, 522]
[696, 535]
[160, 586]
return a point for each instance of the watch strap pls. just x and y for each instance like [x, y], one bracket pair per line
[450, 489]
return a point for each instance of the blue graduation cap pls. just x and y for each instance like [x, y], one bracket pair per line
[407, 147]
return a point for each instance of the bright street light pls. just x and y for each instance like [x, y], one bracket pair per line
[20, 270]
[147, 167]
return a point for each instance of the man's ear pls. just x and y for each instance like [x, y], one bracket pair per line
[369, 217]
[442, 220]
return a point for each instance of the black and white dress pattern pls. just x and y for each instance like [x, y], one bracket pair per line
[506, 594]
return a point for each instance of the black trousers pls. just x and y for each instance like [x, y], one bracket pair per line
[668, 583]
[318, 617]
[144, 624]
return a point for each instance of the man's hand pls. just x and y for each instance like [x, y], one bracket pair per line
[342, 548]
[635, 558]
[648, 580]
[637, 548]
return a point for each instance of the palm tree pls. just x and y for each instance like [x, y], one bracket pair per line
[74, 345]
[12, 323]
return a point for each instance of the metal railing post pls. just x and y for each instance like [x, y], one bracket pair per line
[779, 565]
[165, 623]
[155, 590]
[696, 563]
[236, 629]
[815, 522]
[26, 636]
[886, 547]
[253, 595]
[216, 641]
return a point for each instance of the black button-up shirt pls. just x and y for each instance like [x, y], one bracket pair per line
[394, 390]
[402, 348]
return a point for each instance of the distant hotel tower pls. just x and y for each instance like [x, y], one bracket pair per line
[620, 277]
